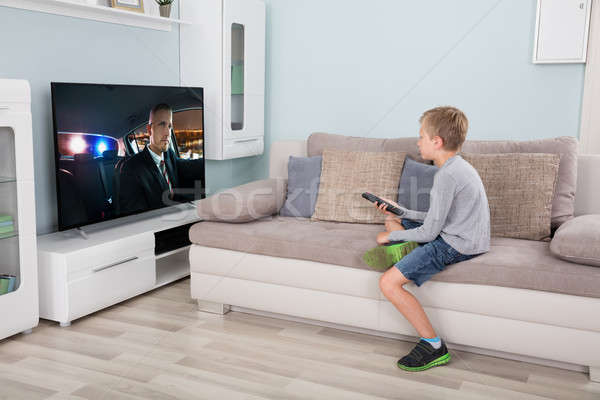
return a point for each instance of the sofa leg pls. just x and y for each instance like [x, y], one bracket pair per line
[595, 374]
[214, 308]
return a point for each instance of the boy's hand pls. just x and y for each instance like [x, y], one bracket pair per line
[383, 209]
[383, 237]
[392, 202]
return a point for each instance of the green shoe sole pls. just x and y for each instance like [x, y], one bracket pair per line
[381, 258]
[438, 361]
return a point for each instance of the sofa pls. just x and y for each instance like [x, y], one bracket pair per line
[518, 301]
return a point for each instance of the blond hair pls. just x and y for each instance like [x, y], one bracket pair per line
[449, 123]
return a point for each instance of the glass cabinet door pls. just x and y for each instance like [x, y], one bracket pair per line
[9, 232]
[237, 77]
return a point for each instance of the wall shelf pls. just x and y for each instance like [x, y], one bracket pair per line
[78, 9]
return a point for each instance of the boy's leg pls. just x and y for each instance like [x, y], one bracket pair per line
[418, 266]
[399, 224]
[380, 258]
[391, 284]
[393, 224]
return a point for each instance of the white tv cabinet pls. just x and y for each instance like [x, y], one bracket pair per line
[18, 308]
[78, 275]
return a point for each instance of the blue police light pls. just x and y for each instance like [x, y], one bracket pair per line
[101, 147]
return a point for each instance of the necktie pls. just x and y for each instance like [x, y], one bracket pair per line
[163, 169]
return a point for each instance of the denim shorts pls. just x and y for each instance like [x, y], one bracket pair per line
[429, 258]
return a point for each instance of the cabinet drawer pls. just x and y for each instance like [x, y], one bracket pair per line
[85, 261]
[110, 285]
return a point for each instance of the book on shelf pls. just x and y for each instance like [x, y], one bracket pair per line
[7, 227]
[7, 283]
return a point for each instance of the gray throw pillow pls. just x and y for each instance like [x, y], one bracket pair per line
[578, 240]
[415, 184]
[304, 175]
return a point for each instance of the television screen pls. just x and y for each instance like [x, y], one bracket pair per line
[124, 149]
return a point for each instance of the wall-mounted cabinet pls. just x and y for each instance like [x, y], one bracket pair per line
[561, 31]
[18, 248]
[223, 51]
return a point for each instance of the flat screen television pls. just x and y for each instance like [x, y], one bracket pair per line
[125, 149]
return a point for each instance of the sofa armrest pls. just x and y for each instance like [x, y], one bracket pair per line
[244, 203]
[588, 191]
[578, 240]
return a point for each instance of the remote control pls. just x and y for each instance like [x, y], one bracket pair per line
[390, 207]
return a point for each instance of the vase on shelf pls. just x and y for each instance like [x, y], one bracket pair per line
[165, 10]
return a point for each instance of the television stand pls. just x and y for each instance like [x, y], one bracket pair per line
[82, 233]
[78, 276]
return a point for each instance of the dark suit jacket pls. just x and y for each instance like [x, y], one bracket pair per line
[142, 186]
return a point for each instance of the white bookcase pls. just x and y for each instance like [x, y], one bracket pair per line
[223, 51]
[18, 254]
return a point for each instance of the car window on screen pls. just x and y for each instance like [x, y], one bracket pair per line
[132, 144]
[138, 140]
[189, 133]
[142, 138]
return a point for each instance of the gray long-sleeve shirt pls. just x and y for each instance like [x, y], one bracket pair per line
[458, 210]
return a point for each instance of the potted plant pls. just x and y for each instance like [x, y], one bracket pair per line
[165, 7]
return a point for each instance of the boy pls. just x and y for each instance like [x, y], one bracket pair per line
[455, 228]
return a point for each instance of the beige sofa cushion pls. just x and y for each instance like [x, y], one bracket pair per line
[525, 264]
[563, 202]
[345, 175]
[578, 240]
[517, 263]
[519, 188]
[337, 243]
[244, 203]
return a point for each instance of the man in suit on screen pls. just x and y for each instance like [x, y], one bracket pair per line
[149, 178]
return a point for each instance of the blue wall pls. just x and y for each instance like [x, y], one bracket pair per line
[370, 68]
[350, 67]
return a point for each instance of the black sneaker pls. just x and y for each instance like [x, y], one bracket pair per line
[424, 356]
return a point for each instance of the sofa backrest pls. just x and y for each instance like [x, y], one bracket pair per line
[563, 202]
[587, 197]
[318, 141]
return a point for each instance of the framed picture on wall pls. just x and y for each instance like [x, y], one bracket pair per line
[131, 5]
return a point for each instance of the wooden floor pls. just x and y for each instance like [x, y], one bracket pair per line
[158, 346]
